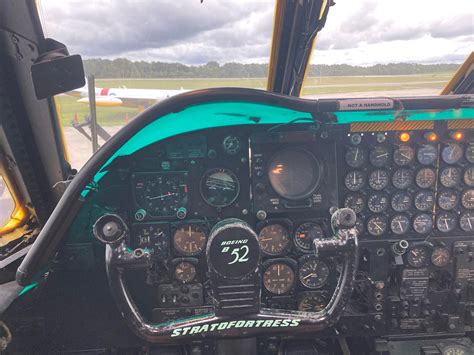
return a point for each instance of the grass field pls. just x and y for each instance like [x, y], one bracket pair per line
[313, 86]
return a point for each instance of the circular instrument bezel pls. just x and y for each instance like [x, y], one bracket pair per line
[193, 227]
[277, 163]
[235, 181]
[288, 265]
[283, 248]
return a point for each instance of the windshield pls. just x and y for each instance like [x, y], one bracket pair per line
[142, 52]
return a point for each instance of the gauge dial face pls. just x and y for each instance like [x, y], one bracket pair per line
[424, 200]
[231, 144]
[379, 156]
[160, 195]
[278, 278]
[402, 178]
[355, 202]
[313, 273]
[440, 256]
[422, 223]
[446, 222]
[425, 178]
[469, 176]
[356, 157]
[400, 224]
[306, 233]
[470, 153]
[377, 225]
[312, 302]
[451, 153]
[467, 199]
[219, 187]
[403, 155]
[401, 201]
[377, 202]
[152, 236]
[447, 199]
[185, 272]
[427, 154]
[273, 239]
[355, 180]
[450, 176]
[417, 257]
[378, 179]
[466, 221]
[190, 239]
[294, 174]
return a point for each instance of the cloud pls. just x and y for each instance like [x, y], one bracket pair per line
[357, 32]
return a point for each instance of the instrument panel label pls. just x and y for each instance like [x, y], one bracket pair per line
[199, 329]
[365, 104]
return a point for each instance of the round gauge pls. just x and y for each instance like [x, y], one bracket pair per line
[379, 156]
[467, 199]
[400, 224]
[355, 202]
[469, 176]
[446, 222]
[278, 278]
[402, 178]
[354, 180]
[306, 233]
[451, 153]
[294, 173]
[377, 225]
[401, 201]
[273, 239]
[219, 187]
[466, 221]
[422, 223]
[403, 155]
[153, 237]
[470, 153]
[185, 272]
[425, 178]
[312, 302]
[424, 200]
[450, 177]
[160, 195]
[377, 202]
[378, 179]
[427, 154]
[190, 239]
[447, 199]
[313, 273]
[440, 256]
[417, 256]
[356, 157]
[231, 144]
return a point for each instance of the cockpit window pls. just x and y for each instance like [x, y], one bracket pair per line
[144, 52]
[7, 203]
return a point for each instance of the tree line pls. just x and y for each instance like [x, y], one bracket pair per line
[124, 68]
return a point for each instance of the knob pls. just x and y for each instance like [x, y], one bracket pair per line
[110, 229]
[181, 213]
[140, 215]
[343, 218]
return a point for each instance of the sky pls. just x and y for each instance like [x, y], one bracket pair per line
[357, 32]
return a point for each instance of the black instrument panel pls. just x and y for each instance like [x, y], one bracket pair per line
[413, 193]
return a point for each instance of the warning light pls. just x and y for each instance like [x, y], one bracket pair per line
[431, 137]
[404, 137]
[457, 136]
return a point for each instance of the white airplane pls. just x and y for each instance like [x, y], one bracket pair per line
[111, 97]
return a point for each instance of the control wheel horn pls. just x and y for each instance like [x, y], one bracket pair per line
[233, 258]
